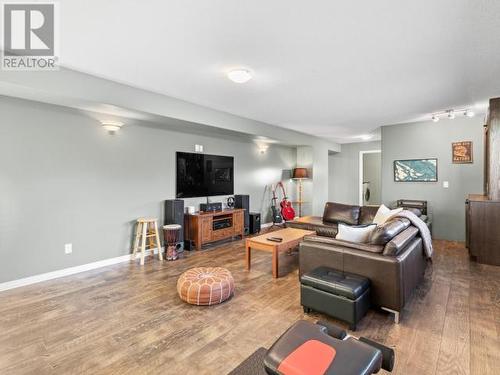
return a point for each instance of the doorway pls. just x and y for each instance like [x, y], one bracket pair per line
[370, 178]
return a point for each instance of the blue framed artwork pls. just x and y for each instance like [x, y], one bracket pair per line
[415, 170]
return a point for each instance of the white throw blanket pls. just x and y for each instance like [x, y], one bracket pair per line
[425, 233]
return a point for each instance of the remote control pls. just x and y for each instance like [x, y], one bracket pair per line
[275, 239]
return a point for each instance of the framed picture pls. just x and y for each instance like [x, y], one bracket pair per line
[415, 170]
[461, 152]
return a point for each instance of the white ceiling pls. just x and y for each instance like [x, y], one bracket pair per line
[328, 68]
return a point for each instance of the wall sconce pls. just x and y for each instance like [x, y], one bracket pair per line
[262, 148]
[112, 126]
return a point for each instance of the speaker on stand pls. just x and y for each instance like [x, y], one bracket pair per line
[243, 201]
[174, 214]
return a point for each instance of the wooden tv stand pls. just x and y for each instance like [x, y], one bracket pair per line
[201, 227]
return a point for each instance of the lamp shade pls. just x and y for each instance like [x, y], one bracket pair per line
[300, 173]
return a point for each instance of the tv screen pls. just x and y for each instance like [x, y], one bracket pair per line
[202, 175]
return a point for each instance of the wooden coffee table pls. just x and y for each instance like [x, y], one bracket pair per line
[291, 238]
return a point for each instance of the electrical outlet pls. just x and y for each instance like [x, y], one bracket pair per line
[446, 184]
[68, 248]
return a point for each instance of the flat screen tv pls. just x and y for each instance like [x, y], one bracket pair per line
[202, 175]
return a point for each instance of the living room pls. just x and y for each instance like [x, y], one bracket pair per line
[269, 200]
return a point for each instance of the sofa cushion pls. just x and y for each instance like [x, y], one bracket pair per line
[378, 249]
[387, 231]
[341, 213]
[356, 234]
[367, 214]
[398, 243]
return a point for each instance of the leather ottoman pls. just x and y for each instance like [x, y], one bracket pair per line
[344, 296]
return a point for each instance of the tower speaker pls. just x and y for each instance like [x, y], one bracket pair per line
[174, 214]
[254, 222]
[243, 201]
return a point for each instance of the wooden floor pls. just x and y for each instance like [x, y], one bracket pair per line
[127, 319]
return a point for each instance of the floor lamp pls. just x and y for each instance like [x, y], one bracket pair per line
[300, 174]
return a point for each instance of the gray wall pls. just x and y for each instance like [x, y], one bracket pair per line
[343, 172]
[372, 173]
[429, 139]
[63, 179]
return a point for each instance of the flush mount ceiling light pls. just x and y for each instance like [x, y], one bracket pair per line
[451, 114]
[366, 137]
[111, 126]
[239, 75]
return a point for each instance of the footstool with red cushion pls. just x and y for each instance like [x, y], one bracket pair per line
[319, 348]
[307, 349]
[205, 286]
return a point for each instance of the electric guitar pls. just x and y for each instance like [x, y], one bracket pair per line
[276, 214]
[287, 211]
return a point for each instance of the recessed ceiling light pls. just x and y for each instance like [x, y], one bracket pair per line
[239, 75]
[469, 113]
[435, 118]
[451, 114]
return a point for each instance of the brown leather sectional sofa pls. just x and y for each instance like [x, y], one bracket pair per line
[393, 259]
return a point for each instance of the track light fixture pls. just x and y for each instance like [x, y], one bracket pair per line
[469, 113]
[452, 113]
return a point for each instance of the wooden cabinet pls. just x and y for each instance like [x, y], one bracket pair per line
[482, 220]
[492, 150]
[238, 223]
[482, 211]
[206, 227]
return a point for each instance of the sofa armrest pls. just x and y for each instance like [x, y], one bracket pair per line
[413, 264]
[314, 223]
[399, 242]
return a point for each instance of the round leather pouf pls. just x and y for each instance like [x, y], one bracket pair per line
[205, 286]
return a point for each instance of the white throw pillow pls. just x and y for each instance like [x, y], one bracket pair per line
[355, 234]
[383, 214]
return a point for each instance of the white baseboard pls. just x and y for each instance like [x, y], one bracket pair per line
[77, 269]
[69, 271]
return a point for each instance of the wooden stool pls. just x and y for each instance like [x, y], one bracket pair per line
[147, 228]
